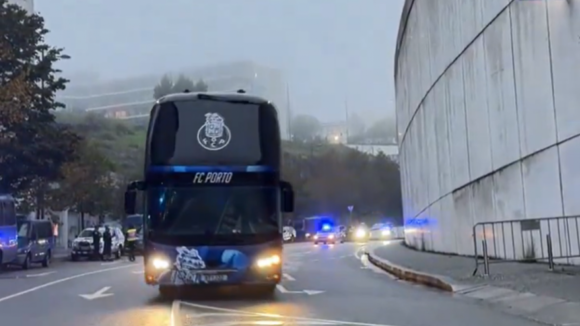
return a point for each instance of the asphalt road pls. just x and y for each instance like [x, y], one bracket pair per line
[323, 285]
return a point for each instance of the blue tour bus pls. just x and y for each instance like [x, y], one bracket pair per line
[212, 193]
[8, 230]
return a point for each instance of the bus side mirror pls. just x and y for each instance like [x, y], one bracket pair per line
[130, 201]
[287, 197]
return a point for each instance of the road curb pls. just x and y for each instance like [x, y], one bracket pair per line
[431, 280]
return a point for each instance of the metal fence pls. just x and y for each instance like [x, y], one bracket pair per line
[549, 240]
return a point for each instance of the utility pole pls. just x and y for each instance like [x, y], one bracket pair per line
[346, 119]
[288, 113]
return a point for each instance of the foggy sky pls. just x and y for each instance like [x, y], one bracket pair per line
[329, 50]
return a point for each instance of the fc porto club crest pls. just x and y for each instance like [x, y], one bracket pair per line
[214, 135]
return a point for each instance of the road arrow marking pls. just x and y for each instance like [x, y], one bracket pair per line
[312, 292]
[288, 277]
[97, 295]
[41, 274]
[282, 289]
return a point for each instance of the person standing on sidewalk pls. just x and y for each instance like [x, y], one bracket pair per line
[131, 241]
[107, 244]
[96, 243]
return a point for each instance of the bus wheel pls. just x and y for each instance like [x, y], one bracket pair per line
[266, 291]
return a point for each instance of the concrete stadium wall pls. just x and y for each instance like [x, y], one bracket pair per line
[488, 118]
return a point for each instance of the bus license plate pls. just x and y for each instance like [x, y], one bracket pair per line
[214, 278]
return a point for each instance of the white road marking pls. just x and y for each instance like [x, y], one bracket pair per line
[102, 293]
[315, 320]
[41, 274]
[42, 286]
[282, 289]
[138, 272]
[175, 317]
[288, 277]
[368, 265]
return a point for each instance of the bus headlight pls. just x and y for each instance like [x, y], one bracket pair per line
[360, 233]
[160, 263]
[331, 236]
[315, 237]
[386, 233]
[268, 261]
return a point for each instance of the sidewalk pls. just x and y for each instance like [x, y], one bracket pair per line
[529, 290]
[60, 254]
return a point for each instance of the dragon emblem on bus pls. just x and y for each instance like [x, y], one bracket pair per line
[214, 135]
[187, 262]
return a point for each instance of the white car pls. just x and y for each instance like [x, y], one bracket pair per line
[82, 245]
[288, 234]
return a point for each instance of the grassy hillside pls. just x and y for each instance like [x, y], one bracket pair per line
[124, 143]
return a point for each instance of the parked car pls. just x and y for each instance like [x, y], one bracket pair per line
[35, 243]
[83, 243]
[289, 234]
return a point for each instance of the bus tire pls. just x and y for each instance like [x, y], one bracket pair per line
[266, 291]
[167, 292]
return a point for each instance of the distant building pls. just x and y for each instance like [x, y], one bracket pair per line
[132, 98]
[28, 5]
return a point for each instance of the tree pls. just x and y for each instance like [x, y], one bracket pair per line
[305, 127]
[168, 86]
[200, 86]
[183, 83]
[33, 146]
[164, 87]
[88, 185]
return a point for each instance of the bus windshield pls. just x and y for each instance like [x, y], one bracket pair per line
[223, 212]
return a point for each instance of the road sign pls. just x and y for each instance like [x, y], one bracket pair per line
[350, 208]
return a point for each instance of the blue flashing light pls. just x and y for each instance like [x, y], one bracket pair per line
[326, 227]
[192, 168]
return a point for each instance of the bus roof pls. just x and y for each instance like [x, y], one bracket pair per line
[224, 96]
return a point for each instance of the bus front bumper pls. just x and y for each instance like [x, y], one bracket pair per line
[213, 277]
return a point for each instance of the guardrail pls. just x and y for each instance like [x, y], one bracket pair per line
[548, 240]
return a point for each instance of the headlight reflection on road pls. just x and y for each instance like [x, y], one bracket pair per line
[268, 322]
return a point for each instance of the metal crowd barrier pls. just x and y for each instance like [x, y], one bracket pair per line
[548, 240]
